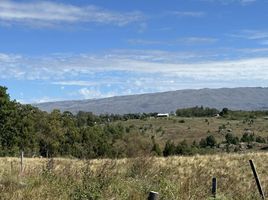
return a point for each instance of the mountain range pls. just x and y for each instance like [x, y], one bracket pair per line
[243, 98]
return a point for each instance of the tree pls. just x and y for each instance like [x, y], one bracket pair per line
[211, 141]
[8, 128]
[224, 112]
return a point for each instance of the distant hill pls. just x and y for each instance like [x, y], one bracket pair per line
[251, 98]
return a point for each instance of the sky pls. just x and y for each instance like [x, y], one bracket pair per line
[85, 49]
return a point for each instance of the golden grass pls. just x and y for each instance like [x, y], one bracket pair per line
[173, 177]
[194, 128]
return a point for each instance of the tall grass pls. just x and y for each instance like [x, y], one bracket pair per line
[173, 177]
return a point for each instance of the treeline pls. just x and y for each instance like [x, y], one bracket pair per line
[196, 112]
[209, 145]
[225, 112]
[84, 135]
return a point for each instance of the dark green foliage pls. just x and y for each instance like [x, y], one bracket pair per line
[203, 143]
[170, 149]
[224, 112]
[209, 141]
[260, 139]
[248, 137]
[231, 139]
[196, 112]
[85, 135]
[184, 149]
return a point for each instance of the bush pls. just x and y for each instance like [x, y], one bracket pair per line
[156, 149]
[170, 149]
[231, 139]
[248, 137]
[210, 141]
[260, 139]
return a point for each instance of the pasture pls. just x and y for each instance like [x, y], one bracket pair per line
[173, 177]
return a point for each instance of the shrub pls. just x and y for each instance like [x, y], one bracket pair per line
[248, 137]
[260, 139]
[231, 139]
[170, 149]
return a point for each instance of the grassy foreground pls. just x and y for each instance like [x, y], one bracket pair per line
[172, 177]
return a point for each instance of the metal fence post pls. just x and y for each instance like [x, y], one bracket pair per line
[153, 195]
[257, 179]
[214, 187]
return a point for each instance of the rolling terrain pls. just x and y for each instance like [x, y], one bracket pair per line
[252, 98]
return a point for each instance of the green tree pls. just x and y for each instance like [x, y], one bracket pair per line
[211, 141]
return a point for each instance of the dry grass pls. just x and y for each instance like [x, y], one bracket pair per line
[173, 177]
[194, 128]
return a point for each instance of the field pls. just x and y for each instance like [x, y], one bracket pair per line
[178, 129]
[173, 177]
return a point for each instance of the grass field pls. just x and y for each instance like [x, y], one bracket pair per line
[178, 129]
[173, 177]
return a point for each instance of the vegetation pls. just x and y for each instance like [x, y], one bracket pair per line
[85, 135]
[138, 138]
[174, 178]
[196, 112]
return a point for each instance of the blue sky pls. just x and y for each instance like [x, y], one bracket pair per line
[84, 49]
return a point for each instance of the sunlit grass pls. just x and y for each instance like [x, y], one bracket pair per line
[172, 177]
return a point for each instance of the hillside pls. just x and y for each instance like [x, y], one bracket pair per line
[255, 98]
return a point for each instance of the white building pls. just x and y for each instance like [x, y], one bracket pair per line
[162, 115]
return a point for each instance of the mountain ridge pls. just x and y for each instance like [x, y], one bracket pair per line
[240, 98]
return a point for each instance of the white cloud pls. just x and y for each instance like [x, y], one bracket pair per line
[182, 65]
[187, 13]
[47, 13]
[94, 93]
[179, 41]
[88, 94]
[197, 40]
[84, 83]
[227, 2]
[251, 34]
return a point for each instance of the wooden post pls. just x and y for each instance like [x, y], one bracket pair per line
[214, 187]
[11, 167]
[153, 195]
[257, 179]
[21, 161]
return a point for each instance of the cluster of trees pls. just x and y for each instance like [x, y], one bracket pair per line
[205, 144]
[225, 112]
[183, 148]
[196, 112]
[84, 135]
[246, 137]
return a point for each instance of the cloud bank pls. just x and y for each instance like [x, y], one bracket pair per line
[48, 13]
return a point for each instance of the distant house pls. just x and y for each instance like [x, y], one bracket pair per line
[162, 115]
[217, 115]
[266, 118]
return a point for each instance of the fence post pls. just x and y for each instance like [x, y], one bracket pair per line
[153, 195]
[257, 179]
[21, 161]
[214, 187]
